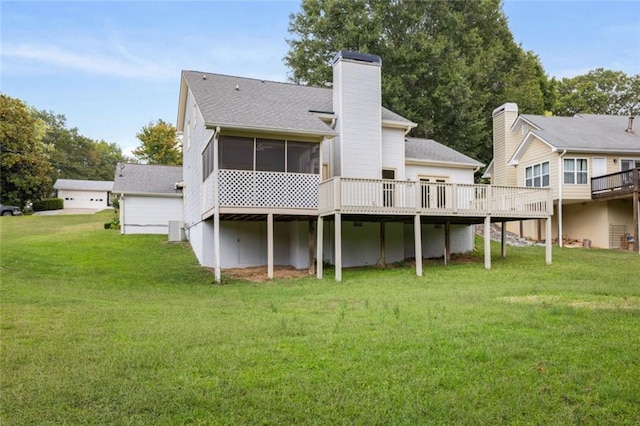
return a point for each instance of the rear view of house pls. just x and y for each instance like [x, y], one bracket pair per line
[590, 162]
[283, 174]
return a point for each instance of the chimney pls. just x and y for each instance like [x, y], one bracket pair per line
[357, 103]
[630, 126]
[505, 143]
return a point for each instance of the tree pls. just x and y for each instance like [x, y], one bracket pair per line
[598, 92]
[25, 170]
[446, 65]
[160, 144]
[75, 156]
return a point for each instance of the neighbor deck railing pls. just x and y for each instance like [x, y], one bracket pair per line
[611, 184]
[381, 196]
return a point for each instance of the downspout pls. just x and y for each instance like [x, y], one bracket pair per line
[121, 207]
[560, 182]
[216, 207]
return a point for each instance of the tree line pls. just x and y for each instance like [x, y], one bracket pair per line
[37, 148]
[446, 65]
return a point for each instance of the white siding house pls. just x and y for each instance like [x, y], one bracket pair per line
[84, 194]
[150, 196]
[284, 174]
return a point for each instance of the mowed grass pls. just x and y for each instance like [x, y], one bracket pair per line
[99, 328]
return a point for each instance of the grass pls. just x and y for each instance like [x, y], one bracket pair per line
[98, 328]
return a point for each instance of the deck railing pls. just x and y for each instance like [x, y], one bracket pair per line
[382, 196]
[627, 180]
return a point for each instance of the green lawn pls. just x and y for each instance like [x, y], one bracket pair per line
[101, 328]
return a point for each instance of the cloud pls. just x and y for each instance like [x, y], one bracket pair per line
[118, 64]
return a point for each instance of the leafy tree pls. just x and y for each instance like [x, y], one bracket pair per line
[446, 65]
[25, 170]
[75, 156]
[598, 92]
[160, 144]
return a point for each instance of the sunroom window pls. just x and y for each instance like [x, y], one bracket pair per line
[270, 155]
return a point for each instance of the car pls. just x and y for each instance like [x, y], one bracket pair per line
[9, 210]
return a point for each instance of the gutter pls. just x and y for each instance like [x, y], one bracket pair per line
[560, 181]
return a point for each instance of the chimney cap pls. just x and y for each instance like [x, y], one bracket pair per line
[357, 56]
[508, 107]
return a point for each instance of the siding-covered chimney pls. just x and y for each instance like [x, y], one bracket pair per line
[357, 99]
[505, 143]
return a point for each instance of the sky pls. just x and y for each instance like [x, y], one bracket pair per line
[112, 67]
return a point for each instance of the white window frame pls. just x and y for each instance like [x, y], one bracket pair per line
[540, 175]
[575, 171]
[636, 162]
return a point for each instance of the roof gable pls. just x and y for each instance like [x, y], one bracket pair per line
[580, 133]
[147, 179]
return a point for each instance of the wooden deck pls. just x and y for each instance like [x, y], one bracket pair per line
[616, 185]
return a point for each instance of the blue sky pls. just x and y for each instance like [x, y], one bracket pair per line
[111, 67]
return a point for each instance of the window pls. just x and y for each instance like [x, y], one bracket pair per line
[537, 175]
[627, 164]
[575, 171]
[235, 153]
[303, 157]
[270, 155]
[207, 161]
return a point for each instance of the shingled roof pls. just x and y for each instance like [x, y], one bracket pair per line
[431, 151]
[147, 179]
[83, 185]
[586, 132]
[246, 103]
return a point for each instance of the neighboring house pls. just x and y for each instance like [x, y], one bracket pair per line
[84, 194]
[150, 196]
[286, 174]
[591, 163]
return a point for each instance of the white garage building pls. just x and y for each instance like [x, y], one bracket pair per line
[84, 194]
[150, 196]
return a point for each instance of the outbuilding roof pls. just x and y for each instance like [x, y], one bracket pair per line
[147, 179]
[83, 185]
[428, 150]
[246, 103]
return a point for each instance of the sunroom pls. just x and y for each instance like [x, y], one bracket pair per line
[280, 175]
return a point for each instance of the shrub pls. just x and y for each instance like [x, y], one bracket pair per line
[48, 204]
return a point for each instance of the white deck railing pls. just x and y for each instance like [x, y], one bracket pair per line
[381, 196]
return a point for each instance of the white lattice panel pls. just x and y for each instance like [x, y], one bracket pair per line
[270, 189]
[302, 190]
[236, 188]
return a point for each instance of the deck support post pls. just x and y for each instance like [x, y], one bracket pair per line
[417, 231]
[270, 246]
[216, 245]
[548, 238]
[487, 242]
[319, 245]
[636, 219]
[338, 246]
[311, 248]
[447, 243]
[503, 237]
[383, 255]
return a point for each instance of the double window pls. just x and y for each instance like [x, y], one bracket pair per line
[626, 164]
[576, 171]
[271, 155]
[537, 175]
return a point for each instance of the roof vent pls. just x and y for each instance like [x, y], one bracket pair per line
[630, 126]
[237, 87]
[204, 76]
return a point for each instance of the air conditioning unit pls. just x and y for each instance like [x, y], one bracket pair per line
[176, 231]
